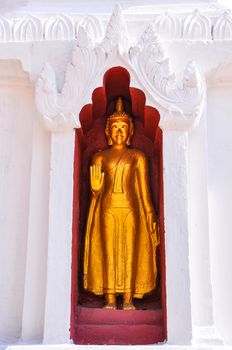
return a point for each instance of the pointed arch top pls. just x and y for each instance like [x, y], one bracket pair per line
[179, 103]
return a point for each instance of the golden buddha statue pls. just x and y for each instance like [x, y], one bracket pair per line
[122, 231]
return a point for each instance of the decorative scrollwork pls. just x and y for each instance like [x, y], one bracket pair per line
[59, 28]
[61, 110]
[222, 29]
[154, 70]
[5, 30]
[197, 27]
[92, 26]
[28, 29]
[87, 61]
[150, 61]
[168, 26]
[116, 32]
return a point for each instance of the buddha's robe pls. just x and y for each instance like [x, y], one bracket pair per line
[120, 252]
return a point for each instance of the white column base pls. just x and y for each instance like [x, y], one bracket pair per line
[206, 336]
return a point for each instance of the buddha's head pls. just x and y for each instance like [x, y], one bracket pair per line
[119, 127]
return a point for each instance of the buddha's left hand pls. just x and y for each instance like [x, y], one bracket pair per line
[153, 227]
[151, 223]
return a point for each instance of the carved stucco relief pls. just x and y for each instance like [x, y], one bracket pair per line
[180, 103]
[191, 26]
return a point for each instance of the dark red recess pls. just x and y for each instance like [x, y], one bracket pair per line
[90, 324]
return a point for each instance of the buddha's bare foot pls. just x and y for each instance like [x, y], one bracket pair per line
[128, 306]
[110, 306]
[110, 301]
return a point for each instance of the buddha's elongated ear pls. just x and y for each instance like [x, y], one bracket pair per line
[131, 132]
[110, 142]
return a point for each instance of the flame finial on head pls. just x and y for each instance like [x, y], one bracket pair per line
[119, 112]
[119, 105]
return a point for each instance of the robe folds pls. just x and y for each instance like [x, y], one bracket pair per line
[138, 280]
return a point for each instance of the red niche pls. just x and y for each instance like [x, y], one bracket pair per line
[90, 324]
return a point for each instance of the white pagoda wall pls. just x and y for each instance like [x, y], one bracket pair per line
[24, 180]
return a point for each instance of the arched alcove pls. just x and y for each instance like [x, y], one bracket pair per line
[147, 324]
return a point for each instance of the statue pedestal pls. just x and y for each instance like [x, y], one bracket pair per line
[101, 326]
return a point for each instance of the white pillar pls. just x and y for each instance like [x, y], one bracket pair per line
[36, 261]
[199, 228]
[58, 294]
[204, 331]
[179, 317]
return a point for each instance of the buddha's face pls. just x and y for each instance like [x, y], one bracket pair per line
[119, 131]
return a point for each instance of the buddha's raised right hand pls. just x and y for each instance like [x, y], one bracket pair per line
[96, 178]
